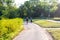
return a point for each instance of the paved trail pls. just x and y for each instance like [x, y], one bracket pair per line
[33, 32]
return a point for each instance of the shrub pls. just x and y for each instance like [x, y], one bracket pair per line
[9, 28]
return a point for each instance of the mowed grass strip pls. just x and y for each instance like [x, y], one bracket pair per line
[57, 19]
[55, 34]
[47, 24]
[9, 28]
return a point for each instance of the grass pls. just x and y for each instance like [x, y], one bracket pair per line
[9, 28]
[47, 24]
[56, 19]
[55, 34]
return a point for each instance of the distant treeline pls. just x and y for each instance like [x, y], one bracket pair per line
[31, 8]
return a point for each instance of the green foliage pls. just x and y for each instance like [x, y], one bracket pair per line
[35, 8]
[7, 10]
[10, 28]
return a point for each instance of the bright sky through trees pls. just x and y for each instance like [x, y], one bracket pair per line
[19, 2]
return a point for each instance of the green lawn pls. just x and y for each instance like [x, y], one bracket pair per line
[9, 28]
[55, 34]
[57, 19]
[47, 24]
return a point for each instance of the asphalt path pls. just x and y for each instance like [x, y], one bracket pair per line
[33, 32]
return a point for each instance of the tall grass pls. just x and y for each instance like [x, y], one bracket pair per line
[10, 28]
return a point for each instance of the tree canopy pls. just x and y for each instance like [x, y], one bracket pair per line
[31, 8]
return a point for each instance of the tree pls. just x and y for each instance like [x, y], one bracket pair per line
[7, 10]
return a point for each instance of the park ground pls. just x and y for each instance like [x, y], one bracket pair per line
[11, 17]
[52, 26]
[33, 32]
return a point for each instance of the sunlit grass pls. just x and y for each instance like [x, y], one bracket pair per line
[55, 34]
[9, 28]
[47, 24]
[56, 18]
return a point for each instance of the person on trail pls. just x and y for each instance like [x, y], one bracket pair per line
[30, 19]
[26, 19]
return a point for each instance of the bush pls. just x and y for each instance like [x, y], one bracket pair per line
[10, 28]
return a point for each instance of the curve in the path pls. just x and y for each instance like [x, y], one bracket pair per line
[33, 32]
